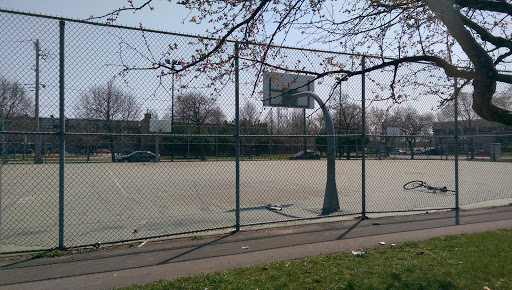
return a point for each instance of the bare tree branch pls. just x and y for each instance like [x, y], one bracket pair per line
[496, 6]
[222, 40]
[484, 34]
[112, 16]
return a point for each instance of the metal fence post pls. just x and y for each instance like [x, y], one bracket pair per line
[456, 105]
[237, 139]
[1, 165]
[363, 142]
[62, 141]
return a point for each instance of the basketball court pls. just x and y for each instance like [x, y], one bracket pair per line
[115, 202]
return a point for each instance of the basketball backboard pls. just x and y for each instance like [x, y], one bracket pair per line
[278, 90]
[160, 126]
[393, 131]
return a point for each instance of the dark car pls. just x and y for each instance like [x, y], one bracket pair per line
[138, 156]
[310, 154]
[433, 151]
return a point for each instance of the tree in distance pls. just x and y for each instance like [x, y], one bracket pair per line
[14, 101]
[197, 109]
[109, 105]
[466, 113]
[411, 123]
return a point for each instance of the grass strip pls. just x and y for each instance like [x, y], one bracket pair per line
[471, 261]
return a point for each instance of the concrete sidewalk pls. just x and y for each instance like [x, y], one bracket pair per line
[156, 260]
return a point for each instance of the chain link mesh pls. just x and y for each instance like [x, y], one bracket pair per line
[120, 101]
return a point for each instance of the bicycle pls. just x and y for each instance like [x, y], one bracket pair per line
[434, 189]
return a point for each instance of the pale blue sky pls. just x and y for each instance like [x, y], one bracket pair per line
[165, 16]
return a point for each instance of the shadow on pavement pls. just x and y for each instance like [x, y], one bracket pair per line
[232, 244]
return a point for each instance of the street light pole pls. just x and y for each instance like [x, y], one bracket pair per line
[173, 76]
[37, 149]
[172, 102]
[339, 80]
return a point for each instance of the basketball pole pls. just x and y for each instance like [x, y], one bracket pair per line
[331, 202]
[456, 129]
[363, 141]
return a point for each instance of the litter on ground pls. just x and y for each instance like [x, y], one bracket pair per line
[274, 206]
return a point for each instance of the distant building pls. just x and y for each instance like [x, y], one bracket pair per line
[75, 142]
[482, 133]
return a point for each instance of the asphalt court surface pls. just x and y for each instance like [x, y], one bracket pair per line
[113, 202]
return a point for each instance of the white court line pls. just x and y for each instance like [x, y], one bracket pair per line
[205, 206]
[117, 183]
[56, 222]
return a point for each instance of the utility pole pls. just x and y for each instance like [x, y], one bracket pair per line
[271, 130]
[339, 80]
[304, 132]
[37, 147]
[173, 76]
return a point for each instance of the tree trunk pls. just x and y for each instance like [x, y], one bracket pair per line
[201, 145]
[411, 149]
[112, 153]
[486, 75]
[471, 140]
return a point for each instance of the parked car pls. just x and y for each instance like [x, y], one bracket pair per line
[398, 152]
[433, 151]
[102, 151]
[416, 151]
[137, 156]
[76, 151]
[482, 153]
[310, 154]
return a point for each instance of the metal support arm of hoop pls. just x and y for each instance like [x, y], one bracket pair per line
[331, 202]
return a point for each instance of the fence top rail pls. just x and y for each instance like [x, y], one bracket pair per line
[91, 22]
[243, 135]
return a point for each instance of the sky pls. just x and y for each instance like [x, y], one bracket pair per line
[165, 16]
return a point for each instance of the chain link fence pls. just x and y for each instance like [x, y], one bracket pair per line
[102, 143]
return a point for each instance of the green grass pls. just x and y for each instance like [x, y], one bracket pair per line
[48, 254]
[66, 252]
[454, 262]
